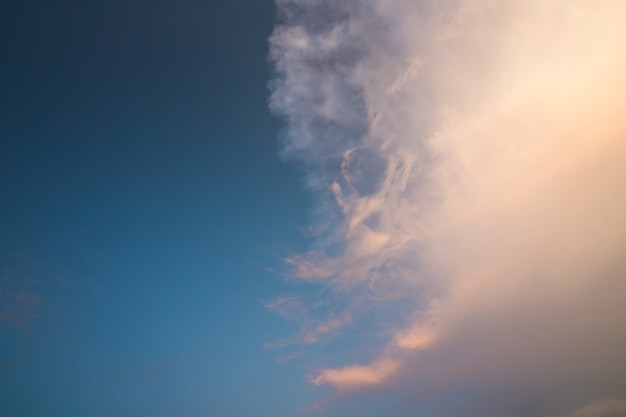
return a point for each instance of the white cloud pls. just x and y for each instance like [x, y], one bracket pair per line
[471, 156]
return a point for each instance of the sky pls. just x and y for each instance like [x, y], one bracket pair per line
[313, 208]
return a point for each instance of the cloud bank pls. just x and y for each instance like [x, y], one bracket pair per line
[469, 160]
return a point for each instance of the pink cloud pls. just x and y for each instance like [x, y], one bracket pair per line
[499, 213]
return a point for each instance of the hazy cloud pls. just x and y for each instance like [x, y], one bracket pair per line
[469, 158]
[610, 408]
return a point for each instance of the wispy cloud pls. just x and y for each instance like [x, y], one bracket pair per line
[20, 303]
[289, 307]
[470, 159]
[355, 377]
[608, 408]
[312, 330]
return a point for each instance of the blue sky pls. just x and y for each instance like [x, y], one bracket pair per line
[312, 208]
[143, 202]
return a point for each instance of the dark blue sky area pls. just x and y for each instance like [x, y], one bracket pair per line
[142, 203]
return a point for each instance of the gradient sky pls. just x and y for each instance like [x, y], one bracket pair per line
[313, 208]
[142, 204]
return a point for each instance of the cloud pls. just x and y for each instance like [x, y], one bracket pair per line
[312, 330]
[610, 408]
[469, 159]
[354, 377]
[20, 289]
[288, 307]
